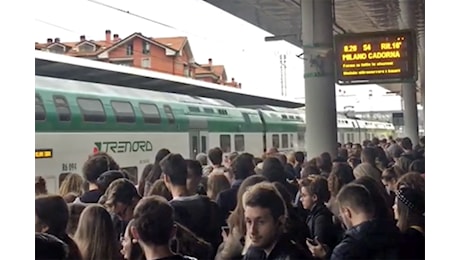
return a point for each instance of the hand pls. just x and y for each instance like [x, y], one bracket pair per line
[316, 248]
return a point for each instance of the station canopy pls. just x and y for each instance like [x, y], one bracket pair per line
[67, 67]
[282, 18]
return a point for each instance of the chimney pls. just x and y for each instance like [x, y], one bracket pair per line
[116, 37]
[82, 38]
[108, 36]
[210, 62]
[57, 40]
[49, 40]
[233, 80]
[239, 85]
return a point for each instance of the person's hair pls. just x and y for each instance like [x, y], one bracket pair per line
[413, 180]
[194, 168]
[381, 199]
[392, 173]
[73, 183]
[410, 208]
[243, 166]
[159, 188]
[299, 157]
[215, 156]
[120, 190]
[49, 247]
[265, 195]
[52, 211]
[340, 175]
[216, 183]
[175, 167]
[316, 185]
[95, 234]
[357, 197]
[154, 220]
[97, 164]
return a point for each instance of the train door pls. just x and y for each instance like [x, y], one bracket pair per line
[198, 136]
[194, 143]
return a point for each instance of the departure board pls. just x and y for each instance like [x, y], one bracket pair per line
[377, 57]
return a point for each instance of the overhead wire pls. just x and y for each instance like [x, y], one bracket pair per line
[163, 24]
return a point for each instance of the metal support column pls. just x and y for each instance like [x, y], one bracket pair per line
[422, 77]
[410, 112]
[320, 101]
[409, 90]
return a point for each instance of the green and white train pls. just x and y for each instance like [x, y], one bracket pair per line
[74, 119]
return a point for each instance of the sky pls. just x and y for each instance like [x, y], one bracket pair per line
[212, 33]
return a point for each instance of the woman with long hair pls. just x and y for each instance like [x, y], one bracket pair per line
[95, 235]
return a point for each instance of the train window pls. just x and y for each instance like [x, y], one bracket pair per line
[169, 114]
[239, 143]
[298, 118]
[301, 138]
[246, 117]
[225, 143]
[91, 109]
[62, 108]
[222, 111]
[131, 172]
[40, 113]
[284, 116]
[291, 117]
[124, 112]
[150, 113]
[276, 141]
[204, 144]
[208, 110]
[194, 109]
[291, 139]
[284, 141]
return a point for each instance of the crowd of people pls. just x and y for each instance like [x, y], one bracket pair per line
[367, 201]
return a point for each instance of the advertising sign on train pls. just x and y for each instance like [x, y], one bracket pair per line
[376, 57]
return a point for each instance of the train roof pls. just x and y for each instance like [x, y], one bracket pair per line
[63, 66]
[83, 87]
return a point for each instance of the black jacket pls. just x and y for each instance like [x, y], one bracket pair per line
[374, 239]
[320, 224]
[285, 249]
[202, 216]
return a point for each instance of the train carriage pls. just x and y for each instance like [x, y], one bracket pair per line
[74, 119]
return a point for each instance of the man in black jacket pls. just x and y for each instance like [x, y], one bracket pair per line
[366, 237]
[196, 212]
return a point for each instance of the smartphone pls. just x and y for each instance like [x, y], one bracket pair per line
[226, 229]
[311, 241]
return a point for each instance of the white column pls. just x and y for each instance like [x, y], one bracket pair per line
[409, 90]
[422, 77]
[409, 93]
[320, 112]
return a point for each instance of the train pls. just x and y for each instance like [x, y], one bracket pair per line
[74, 119]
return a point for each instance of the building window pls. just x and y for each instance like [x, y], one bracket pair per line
[129, 49]
[146, 48]
[86, 48]
[145, 63]
[57, 49]
[186, 71]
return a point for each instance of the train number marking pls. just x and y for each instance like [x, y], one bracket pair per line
[67, 167]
